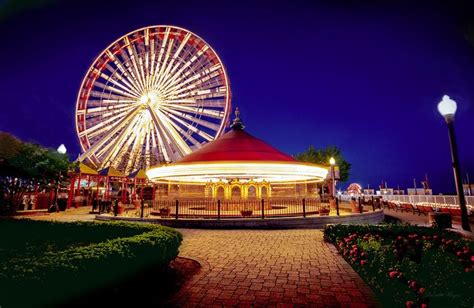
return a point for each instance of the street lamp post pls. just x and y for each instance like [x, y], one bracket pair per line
[61, 150]
[447, 108]
[332, 162]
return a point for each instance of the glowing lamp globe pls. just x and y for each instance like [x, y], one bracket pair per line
[332, 161]
[447, 107]
[62, 149]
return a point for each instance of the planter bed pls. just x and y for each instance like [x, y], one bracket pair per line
[408, 266]
[45, 263]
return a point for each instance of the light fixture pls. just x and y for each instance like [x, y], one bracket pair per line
[62, 149]
[332, 161]
[447, 107]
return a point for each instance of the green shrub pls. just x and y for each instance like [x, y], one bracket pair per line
[54, 275]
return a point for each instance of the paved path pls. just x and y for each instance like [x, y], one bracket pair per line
[269, 268]
[72, 214]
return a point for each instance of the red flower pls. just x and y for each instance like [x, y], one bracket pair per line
[393, 274]
[363, 262]
[409, 304]
[421, 290]
[424, 305]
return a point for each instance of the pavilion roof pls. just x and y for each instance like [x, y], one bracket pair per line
[138, 174]
[111, 171]
[85, 169]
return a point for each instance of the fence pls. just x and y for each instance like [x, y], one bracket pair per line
[439, 200]
[228, 209]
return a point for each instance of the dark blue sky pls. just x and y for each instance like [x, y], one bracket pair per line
[357, 74]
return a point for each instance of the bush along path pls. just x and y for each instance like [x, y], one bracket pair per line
[409, 266]
[49, 276]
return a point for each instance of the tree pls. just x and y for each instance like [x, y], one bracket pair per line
[9, 147]
[26, 167]
[322, 156]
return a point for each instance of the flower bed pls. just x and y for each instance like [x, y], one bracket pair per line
[76, 257]
[407, 265]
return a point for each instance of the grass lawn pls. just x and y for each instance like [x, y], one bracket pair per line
[409, 266]
[45, 263]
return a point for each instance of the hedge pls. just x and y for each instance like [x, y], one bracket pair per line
[54, 276]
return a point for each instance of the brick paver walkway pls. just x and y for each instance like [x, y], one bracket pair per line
[72, 214]
[269, 268]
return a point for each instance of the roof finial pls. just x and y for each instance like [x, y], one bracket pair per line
[237, 123]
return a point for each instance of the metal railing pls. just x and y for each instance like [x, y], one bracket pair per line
[433, 200]
[230, 209]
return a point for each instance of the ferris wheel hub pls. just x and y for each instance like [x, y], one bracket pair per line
[149, 98]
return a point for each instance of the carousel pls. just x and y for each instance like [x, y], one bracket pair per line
[238, 166]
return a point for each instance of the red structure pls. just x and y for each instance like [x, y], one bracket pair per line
[236, 145]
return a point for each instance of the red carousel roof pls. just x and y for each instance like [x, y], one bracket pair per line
[237, 145]
[237, 155]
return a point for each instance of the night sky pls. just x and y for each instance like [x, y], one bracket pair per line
[357, 74]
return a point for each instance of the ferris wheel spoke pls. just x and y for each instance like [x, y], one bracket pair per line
[142, 56]
[171, 132]
[183, 81]
[134, 152]
[171, 70]
[203, 94]
[163, 65]
[98, 125]
[159, 63]
[193, 119]
[193, 82]
[125, 72]
[212, 103]
[128, 65]
[94, 94]
[147, 148]
[105, 109]
[129, 90]
[101, 102]
[164, 141]
[106, 137]
[155, 149]
[192, 128]
[176, 121]
[132, 55]
[153, 44]
[119, 149]
[199, 111]
[99, 84]
[105, 114]
[209, 96]
[182, 77]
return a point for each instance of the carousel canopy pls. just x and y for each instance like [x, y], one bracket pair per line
[238, 155]
[237, 145]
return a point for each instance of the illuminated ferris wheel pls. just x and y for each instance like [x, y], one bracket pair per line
[152, 96]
